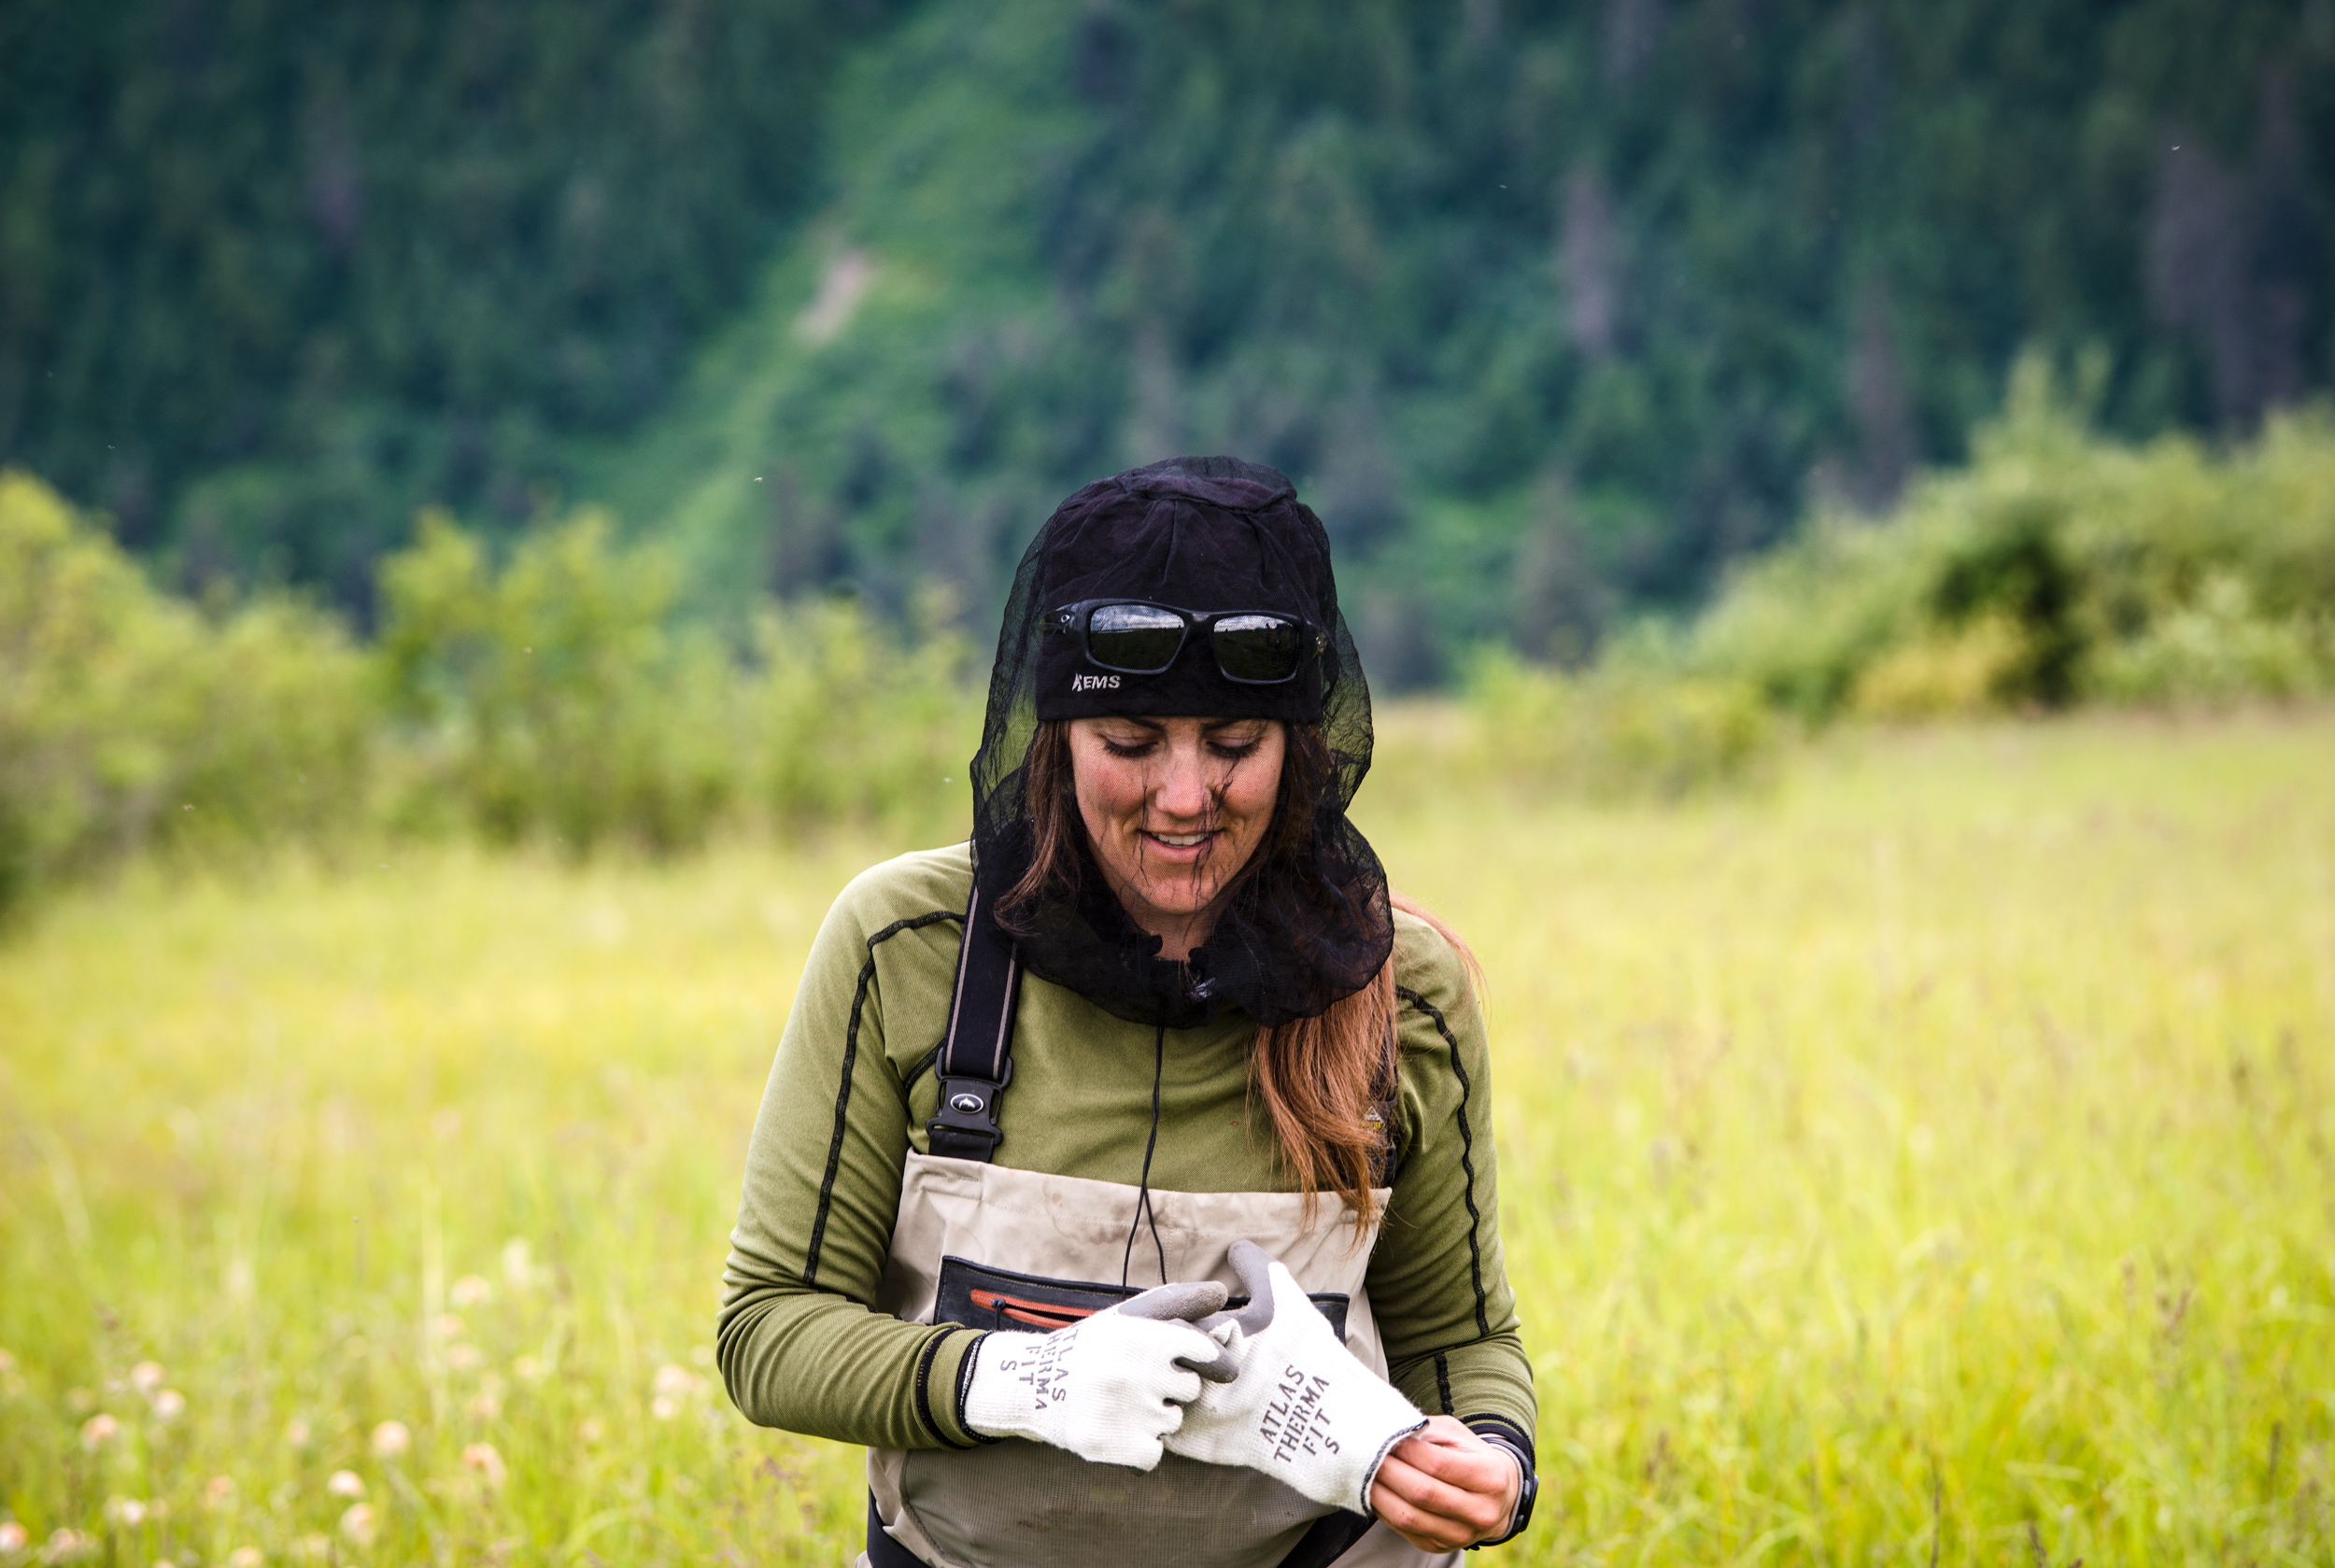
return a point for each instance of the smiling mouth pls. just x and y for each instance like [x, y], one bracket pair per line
[1179, 841]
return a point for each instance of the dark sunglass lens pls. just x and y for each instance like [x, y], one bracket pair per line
[1140, 639]
[1259, 647]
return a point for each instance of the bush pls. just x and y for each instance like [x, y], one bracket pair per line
[1946, 672]
[846, 722]
[130, 720]
[551, 698]
[547, 698]
[2057, 567]
[2218, 649]
[1628, 727]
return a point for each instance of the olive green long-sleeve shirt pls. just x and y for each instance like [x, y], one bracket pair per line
[852, 1086]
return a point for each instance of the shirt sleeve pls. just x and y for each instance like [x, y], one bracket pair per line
[801, 1345]
[1438, 1279]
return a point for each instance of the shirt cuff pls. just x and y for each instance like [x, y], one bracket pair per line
[941, 1370]
[1507, 1437]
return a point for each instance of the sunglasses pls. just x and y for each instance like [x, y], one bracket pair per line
[1133, 637]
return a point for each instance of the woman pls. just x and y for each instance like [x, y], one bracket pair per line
[1160, 1025]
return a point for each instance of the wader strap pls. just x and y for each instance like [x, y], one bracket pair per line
[883, 1551]
[976, 1060]
[1331, 1537]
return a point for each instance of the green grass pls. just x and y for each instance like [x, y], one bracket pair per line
[1924, 1158]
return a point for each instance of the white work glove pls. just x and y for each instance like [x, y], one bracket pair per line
[1303, 1410]
[1109, 1387]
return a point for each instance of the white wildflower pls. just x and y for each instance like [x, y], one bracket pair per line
[482, 1457]
[358, 1525]
[13, 1536]
[390, 1439]
[345, 1483]
[98, 1430]
[147, 1377]
[296, 1433]
[471, 1290]
[244, 1557]
[169, 1404]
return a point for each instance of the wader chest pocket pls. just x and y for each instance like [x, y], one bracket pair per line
[980, 1296]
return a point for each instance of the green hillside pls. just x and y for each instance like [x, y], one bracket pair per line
[1553, 310]
[273, 274]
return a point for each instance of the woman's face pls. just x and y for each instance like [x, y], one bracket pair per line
[1174, 808]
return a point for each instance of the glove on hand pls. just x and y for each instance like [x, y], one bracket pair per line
[1303, 1409]
[1109, 1387]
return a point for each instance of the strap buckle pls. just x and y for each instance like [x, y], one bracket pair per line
[965, 1126]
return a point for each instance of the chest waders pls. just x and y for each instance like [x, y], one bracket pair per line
[979, 1244]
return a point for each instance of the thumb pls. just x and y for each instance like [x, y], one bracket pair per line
[1255, 1268]
[1190, 1301]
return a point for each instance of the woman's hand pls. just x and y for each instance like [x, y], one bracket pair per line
[1444, 1488]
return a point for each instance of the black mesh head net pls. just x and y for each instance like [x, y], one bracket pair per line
[1306, 922]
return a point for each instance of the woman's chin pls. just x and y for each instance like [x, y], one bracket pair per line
[1178, 901]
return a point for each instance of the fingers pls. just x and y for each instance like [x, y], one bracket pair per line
[1444, 1488]
[1429, 1514]
[1189, 1300]
[1427, 1531]
[1219, 1367]
[1252, 1266]
[1196, 1302]
[1463, 1461]
[1134, 1453]
[1187, 1347]
[1208, 1359]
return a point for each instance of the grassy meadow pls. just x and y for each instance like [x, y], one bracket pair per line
[1923, 1157]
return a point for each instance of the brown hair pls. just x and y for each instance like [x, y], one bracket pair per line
[1320, 1079]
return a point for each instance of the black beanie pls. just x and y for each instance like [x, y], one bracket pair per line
[1197, 533]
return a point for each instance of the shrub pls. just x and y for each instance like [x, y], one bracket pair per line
[547, 698]
[846, 721]
[1944, 673]
[552, 699]
[1627, 728]
[129, 719]
[2057, 567]
[2217, 649]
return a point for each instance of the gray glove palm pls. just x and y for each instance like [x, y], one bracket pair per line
[1303, 1410]
[1108, 1388]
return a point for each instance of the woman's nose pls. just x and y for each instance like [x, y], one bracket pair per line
[1182, 790]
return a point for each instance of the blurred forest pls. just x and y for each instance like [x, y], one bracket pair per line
[1553, 310]
[274, 275]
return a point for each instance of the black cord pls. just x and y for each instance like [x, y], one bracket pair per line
[1144, 1208]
